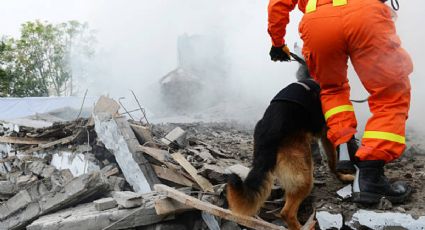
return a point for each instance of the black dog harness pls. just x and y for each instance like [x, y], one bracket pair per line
[305, 93]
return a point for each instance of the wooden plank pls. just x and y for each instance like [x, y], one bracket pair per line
[157, 154]
[106, 105]
[23, 140]
[247, 221]
[62, 141]
[169, 206]
[162, 156]
[205, 185]
[143, 134]
[172, 175]
[112, 172]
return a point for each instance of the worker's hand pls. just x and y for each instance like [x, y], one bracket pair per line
[280, 53]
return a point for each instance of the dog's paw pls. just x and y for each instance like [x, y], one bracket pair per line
[345, 178]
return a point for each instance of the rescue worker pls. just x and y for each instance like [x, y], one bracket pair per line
[362, 30]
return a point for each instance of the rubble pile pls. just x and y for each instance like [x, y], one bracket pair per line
[108, 172]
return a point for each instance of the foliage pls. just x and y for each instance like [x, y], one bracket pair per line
[39, 62]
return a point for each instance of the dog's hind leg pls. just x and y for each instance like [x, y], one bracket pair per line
[331, 156]
[294, 170]
[330, 152]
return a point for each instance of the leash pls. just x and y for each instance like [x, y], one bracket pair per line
[297, 58]
[302, 62]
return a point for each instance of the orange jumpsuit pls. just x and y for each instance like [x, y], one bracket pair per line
[363, 31]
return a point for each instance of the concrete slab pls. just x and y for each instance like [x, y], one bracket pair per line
[36, 200]
[118, 137]
[127, 199]
[105, 203]
[86, 215]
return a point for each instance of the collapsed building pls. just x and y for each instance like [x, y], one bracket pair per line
[200, 75]
[101, 170]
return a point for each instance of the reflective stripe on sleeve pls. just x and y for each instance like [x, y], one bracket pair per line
[338, 109]
[385, 136]
[339, 2]
[311, 6]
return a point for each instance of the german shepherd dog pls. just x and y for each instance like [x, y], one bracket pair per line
[282, 140]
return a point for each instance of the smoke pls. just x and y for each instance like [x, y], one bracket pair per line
[137, 45]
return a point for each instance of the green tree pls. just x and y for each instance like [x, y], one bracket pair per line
[39, 62]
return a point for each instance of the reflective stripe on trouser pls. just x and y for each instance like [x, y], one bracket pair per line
[380, 62]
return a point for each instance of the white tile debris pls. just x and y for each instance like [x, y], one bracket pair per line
[385, 220]
[345, 192]
[328, 220]
[76, 162]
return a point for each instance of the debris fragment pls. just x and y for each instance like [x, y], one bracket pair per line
[328, 220]
[37, 200]
[385, 220]
[116, 134]
[127, 199]
[176, 136]
[217, 211]
[345, 192]
[105, 203]
[204, 183]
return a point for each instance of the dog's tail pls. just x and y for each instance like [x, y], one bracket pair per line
[247, 197]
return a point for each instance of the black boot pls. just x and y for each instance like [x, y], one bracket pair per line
[370, 184]
[346, 153]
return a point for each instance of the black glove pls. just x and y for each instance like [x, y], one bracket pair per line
[280, 53]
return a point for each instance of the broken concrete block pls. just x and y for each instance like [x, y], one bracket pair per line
[86, 217]
[345, 192]
[239, 169]
[29, 204]
[127, 199]
[116, 183]
[214, 173]
[177, 135]
[41, 169]
[105, 203]
[59, 179]
[66, 175]
[328, 220]
[7, 188]
[117, 136]
[3, 169]
[14, 204]
[24, 180]
[203, 155]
